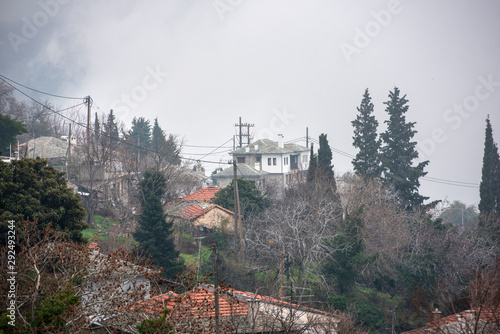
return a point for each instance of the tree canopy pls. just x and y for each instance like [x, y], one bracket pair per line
[251, 200]
[399, 151]
[154, 233]
[9, 129]
[31, 189]
[489, 191]
[367, 162]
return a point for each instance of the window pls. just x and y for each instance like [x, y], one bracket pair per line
[257, 159]
[274, 161]
[285, 161]
[240, 160]
[269, 161]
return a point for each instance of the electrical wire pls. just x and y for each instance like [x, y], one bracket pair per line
[38, 91]
[217, 148]
[104, 135]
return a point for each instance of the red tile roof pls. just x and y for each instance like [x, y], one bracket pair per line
[487, 315]
[197, 303]
[203, 195]
[196, 209]
[191, 212]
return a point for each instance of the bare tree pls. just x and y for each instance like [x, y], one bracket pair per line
[65, 287]
[292, 234]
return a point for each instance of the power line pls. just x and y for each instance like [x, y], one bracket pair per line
[38, 91]
[105, 135]
[217, 148]
[450, 183]
[46, 106]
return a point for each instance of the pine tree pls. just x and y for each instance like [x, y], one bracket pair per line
[158, 139]
[489, 189]
[164, 150]
[153, 231]
[399, 151]
[313, 165]
[9, 129]
[367, 162]
[140, 135]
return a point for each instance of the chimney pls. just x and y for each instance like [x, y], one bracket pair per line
[280, 141]
[436, 315]
[470, 315]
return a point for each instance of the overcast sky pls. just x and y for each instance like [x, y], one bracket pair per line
[282, 65]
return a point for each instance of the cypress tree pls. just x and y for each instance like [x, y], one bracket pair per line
[111, 130]
[313, 165]
[399, 151]
[489, 189]
[367, 162]
[153, 231]
[97, 127]
[325, 166]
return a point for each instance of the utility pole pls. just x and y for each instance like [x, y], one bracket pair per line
[307, 137]
[242, 132]
[68, 172]
[88, 100]
[236, 211]
[282, 273]
[216, 286]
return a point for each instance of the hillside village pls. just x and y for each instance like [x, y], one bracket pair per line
[271, 242]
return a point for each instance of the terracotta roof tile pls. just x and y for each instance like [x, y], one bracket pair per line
[487, 315]
[197, 303]
[191, 211]
[203, 195]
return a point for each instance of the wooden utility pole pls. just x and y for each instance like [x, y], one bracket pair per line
[236, 211]
[307, 137]
[282, 274]
[216, 285]
[68, 172]
[243, 131]
[88, 100]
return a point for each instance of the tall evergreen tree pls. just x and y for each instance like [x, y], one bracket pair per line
[97, 127]
[154, 233]
[164, 150]
[489, 189]
[313, 165]
[140, 135]
[111, 130]
[158, 139]
[399, 151]
[367, 162]
[173, 151]
[325, 166]
[9, 129]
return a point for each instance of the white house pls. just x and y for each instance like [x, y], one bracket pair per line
[265, 160]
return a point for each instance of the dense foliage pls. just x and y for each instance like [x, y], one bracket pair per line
[398, 153]
[367, 161]
[153, 232]
[30, 189]
[9, 129]
[251, 200]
